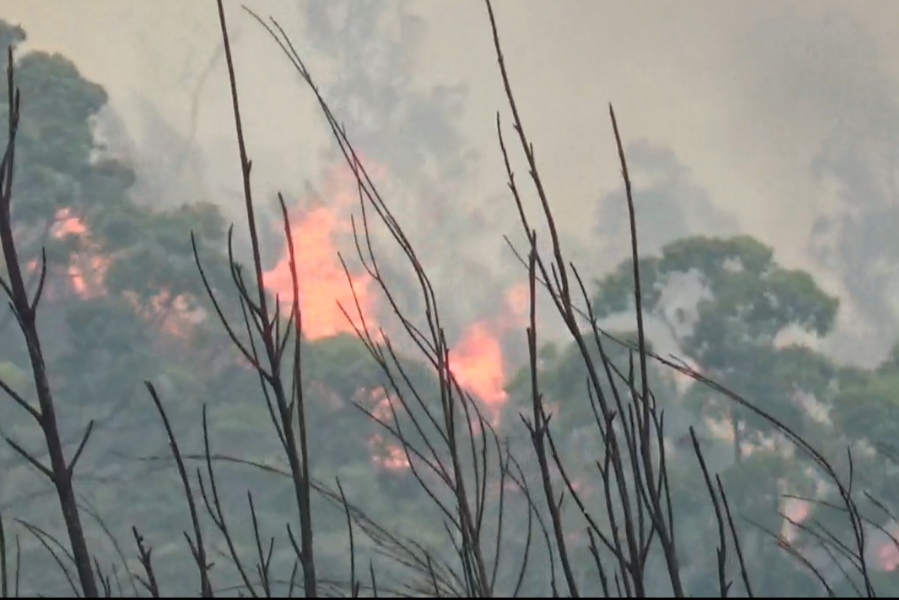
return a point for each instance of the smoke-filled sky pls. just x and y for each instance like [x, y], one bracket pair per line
[732, 104]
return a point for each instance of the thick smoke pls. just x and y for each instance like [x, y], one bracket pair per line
[824, 83]
[672, 205]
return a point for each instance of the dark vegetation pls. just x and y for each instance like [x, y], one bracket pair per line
[601, 474]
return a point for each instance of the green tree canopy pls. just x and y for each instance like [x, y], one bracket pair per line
[726, 302]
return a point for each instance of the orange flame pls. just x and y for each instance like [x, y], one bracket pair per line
[87, 270]
[322, 281]
[477, 361]
[477, 364]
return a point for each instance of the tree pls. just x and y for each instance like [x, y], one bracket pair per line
[564, 384]
[727, 303]
[55, 143]
[122, 297]
[755, 485]
[865, 413]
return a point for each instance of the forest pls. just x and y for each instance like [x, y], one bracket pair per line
[294, 404]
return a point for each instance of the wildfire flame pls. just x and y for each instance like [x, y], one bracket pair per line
[479, 367]
[886, 553]
[385, 454]
[173, 314]
[86, 269]
[322, 282]
[797, 511]
[325, 290]
[888, 556]
[478, 362]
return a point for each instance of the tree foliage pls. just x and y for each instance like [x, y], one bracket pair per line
[127, 305]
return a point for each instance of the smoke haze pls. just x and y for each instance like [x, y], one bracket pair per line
[734, 107]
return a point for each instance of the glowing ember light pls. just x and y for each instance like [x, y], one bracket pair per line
[395, 460]
[386, 454]
[888, 556]
[883, 547]
[174, 315]
[683, 380]
[87, 275]
[794, 510]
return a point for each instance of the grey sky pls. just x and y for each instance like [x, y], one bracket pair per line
[744, 94]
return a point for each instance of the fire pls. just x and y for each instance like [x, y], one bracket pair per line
[797, 511]
[172, 314]
[386, 454]
[885, 549]
[67, 224]
[888, 556]
[322, 281]
[479, 367]
[478, 362]
[87, 270]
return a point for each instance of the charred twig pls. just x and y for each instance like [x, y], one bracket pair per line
[197, 545]
[146, 561]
